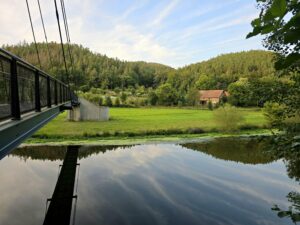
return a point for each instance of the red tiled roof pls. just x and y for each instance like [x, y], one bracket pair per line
[204, 94]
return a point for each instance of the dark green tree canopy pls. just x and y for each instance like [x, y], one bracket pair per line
[279, 21]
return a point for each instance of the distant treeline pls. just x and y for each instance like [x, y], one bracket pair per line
[249, 76]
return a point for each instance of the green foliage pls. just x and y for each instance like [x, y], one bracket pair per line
[279, 22]
[240, 93]
[92, 69]
[108, 101]
[117, 102]
[228, 118]
[206, 82]
[192, 97]
[167, 95]
[210, 105]
[100, 102]
[275, 113]
[100, 76]
[152, 98]
[123, 97]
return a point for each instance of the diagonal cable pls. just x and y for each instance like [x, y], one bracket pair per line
[36, 47]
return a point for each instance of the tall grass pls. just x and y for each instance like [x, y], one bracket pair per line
[228, 118]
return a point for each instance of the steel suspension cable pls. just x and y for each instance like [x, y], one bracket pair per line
[36, 47]
[45, 34]
[67, 32]
[61, 41]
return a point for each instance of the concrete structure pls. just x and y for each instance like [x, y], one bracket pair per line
[88, 111]
[213, 96]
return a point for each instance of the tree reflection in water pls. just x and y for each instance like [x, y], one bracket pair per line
[292, 162]
[258, 151]
[241, 150]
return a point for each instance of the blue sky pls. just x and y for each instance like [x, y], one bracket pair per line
[172, 32]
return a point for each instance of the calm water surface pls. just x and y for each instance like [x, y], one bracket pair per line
[226, 181]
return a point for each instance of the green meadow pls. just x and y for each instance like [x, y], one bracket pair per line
[144, 122]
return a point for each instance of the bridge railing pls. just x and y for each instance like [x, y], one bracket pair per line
[25, 88]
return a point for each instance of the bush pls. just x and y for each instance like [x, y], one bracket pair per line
[108, 101]
[117, 102]
[275, 113]
[100, 102]
[228, 118]
[210, 105]
[123, 97]
[152, 98]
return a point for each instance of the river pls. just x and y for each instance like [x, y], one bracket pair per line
[224, 181]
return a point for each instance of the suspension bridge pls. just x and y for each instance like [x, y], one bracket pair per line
[29, 96]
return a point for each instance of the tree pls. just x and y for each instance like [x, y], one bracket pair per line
[206, 82]
[152, 98]
[166, 95]
[117, 102]
[279, 21]
[240, 93]
[193, 97]
[123, 97]
[108, 101]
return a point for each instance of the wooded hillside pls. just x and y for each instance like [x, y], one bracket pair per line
[245, 74]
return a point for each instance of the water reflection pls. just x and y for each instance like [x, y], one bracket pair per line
[292, 162]
[60, 208]
[154, 184]
[242, 150]
[53, 153]
[256, 151]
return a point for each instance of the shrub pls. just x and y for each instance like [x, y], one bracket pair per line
[210, 105]
[228, 118]
[123, 97]
[152, 98]
[100, 101]
[275, 113]
[117, 102]
[108, 101]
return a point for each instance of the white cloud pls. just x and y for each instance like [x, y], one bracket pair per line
[125, 35]
[165, 12]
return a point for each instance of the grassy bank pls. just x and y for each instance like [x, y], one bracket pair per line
[123, 140]
[128, 123]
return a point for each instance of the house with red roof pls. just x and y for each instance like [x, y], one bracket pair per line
[213, 96]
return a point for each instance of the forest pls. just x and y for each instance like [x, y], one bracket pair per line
[249, 76]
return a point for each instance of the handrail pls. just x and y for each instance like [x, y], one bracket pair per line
[7, 53]
[29, 88]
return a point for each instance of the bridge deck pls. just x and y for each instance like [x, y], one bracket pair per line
[14, 132]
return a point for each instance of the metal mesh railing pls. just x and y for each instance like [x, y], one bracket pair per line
[43, 91]
[52, 91]
[5, 108]
[24, 88]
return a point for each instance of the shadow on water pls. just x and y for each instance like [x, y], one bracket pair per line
[60, 207]
[248, 151]
[241, 150]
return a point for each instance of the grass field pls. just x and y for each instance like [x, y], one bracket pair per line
[144, 122]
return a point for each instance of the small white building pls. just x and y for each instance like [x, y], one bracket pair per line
[88, 111]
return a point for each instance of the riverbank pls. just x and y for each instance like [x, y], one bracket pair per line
[143, 125]
[112, 140]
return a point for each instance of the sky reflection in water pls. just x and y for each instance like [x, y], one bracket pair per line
[151, 184]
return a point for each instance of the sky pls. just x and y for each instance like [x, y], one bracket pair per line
[171, 32]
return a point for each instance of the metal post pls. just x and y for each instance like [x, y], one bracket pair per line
[55, 92]
[15, 103]
[37, 92]
[48, 93]
[60, 95]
